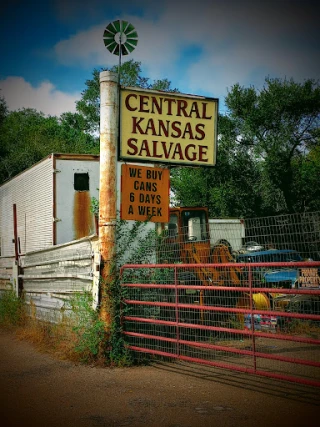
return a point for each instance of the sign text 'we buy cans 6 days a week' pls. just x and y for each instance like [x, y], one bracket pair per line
[144, 193]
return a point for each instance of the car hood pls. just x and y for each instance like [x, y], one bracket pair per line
[281, 276]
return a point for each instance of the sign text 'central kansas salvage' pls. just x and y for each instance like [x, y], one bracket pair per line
[144, 193]
[168, 128]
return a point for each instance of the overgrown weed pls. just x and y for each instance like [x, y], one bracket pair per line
[78, 337]
[304, 327]
[79, 334]
[90, 337]
[11, 309]
[48, 337]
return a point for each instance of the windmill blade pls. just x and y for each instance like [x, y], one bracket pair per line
[134, 42]
[129, 47]
[129, 28]
[112, 46]
[117, 50]
[132, 34]
[111, 28]
[117, 26]
[108, 38]
[107, 33]
[125, 25]
[124, 50]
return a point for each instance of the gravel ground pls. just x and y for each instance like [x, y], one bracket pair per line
[39, 390]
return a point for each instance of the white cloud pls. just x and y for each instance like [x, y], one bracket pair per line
[46, 98]
[248, 65]
[87, 47]
[84, 48]
[237, 39]
[157, 47]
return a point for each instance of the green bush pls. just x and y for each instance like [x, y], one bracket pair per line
[135, 245]
[11, 309]
[89, 329]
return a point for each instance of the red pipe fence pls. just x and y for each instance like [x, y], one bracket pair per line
[256, 324]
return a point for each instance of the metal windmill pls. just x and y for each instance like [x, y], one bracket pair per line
[120, 38]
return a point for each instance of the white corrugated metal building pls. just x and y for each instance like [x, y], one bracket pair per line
[52, 200]
[58, 249]
[57, 252]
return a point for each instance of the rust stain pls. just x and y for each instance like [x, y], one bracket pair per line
[82, 217]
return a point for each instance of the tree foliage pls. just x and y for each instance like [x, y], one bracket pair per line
[280, 125]
[268, 157]
[27, 136]
[268, 154]
[3, 114]
[225, 189]
[130, 76]
[3, 109]
[306, 178]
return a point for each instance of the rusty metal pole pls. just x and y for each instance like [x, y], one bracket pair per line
[109, 113]
[15, 233]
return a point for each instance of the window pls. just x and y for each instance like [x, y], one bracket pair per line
[194, 225]
[171, 228]
[81, 181]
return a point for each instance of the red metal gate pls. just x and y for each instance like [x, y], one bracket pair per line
[254, 327]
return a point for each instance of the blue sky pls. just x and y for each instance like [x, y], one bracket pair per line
[49, 48]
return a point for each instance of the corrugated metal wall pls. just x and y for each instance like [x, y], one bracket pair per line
[6, 274]
[52, 275]
[32, 192]
[232, 230]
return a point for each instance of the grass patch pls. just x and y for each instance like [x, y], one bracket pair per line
[79, 337]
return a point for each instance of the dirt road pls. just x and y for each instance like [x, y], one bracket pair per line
[39, 390]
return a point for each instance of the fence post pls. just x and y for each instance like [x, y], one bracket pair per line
[252, 320]
[176, 308]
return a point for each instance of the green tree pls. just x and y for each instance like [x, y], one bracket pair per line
[75, 132]
[280, 125]
[130, 76]
[3, 109]
[3, 114]
[27, 136]
[228, 189]
[306, 178]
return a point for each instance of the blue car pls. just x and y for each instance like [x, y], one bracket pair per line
[283, 277]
